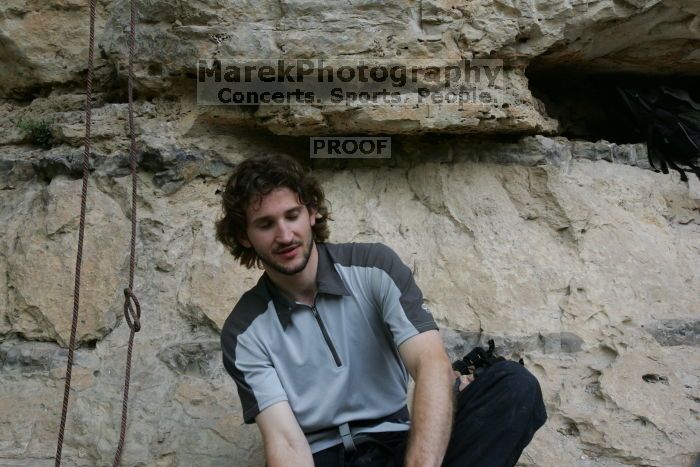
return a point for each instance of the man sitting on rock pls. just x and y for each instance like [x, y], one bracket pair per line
[321, 348]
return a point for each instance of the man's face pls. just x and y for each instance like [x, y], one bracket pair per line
[279, 230]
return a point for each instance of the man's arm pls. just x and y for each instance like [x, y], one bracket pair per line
[433, 399]
[283, 440]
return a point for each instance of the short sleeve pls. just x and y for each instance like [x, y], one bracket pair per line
[398, 297]
[250, 367]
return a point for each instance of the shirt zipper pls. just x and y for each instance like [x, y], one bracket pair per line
[338, 363]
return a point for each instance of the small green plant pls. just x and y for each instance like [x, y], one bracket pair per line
[37, 131]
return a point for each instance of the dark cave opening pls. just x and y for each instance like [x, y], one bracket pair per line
[588, 104]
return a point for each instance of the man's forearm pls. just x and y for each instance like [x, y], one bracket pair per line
[432, 414]
[284, 454]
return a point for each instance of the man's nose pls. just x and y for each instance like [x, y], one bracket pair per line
[285, 234]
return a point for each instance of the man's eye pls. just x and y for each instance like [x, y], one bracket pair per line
[292, 216]
[264, 226]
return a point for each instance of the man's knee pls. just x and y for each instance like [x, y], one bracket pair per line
[505, 383]
[518, 378]
[522, 388]
[498, 413]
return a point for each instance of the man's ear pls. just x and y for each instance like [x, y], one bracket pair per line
[312, 216]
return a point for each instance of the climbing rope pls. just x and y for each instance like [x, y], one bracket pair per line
[132, 307]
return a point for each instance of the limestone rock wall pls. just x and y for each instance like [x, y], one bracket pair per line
[571, 254]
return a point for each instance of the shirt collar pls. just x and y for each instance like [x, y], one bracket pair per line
[328, 281]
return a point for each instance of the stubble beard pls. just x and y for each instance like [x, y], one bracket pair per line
[306, 255]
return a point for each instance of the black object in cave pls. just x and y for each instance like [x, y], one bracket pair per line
[669, 119]
[659, 110]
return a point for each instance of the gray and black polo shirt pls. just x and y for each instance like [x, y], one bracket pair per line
[336, 362]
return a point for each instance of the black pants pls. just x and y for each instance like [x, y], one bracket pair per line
[497, 415]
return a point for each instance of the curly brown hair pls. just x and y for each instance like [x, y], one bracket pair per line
[255, 178]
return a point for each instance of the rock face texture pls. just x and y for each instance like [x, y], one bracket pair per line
[570, 254]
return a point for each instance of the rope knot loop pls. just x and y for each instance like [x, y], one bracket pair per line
[133, 318]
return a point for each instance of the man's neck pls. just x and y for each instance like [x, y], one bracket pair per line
[301, 286]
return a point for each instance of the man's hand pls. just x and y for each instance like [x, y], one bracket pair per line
[284, 442]
[464, 380]
[433, 400]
